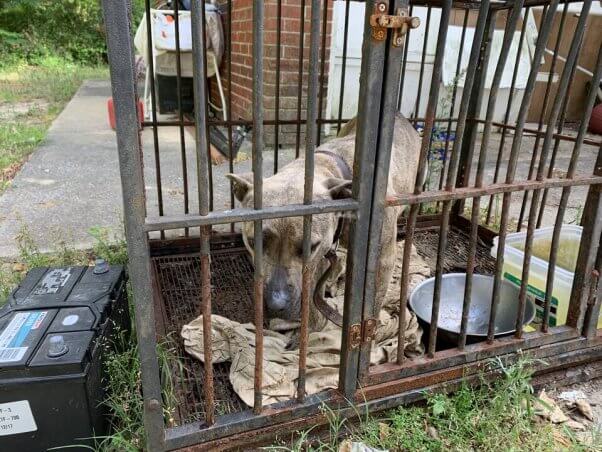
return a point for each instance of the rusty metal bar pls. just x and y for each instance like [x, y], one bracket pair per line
[592, 315]
[590, 242]
[229, 125]
[516, 143]
[344, 64]
[386, 127]
[350, 206]
[591, 98]
[311, 136]
[371, 81]
[206, 108]
[560, 93]
[560, 127]
[500, 154]
[473, 62]
[202, 152]
[544, 109]
[402, 298]
[442, 245]
[452, 357]
[207, 333]
[470, 192]
[300, 76]
[258, 146]
[474, 111]
[453, 99]
[497, 78]
[557, 136]
[427, 27]
[153, 90]
[321, 90]
[277, 87]
[121, 59]
[180, 112]
[406, 46]
[245, 214]
[422, 166]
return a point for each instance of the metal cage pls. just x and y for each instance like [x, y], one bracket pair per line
[174, 280]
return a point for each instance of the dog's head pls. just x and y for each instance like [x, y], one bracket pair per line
[283, 237]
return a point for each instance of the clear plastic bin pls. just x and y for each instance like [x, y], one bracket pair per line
[570, 238]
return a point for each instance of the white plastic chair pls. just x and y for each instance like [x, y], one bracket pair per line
[163, 53]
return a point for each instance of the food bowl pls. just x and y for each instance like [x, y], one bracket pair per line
[452, 299]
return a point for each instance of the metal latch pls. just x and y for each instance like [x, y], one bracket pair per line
[400, 23]
[364, 332]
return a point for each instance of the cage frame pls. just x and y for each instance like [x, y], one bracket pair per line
[391, 384]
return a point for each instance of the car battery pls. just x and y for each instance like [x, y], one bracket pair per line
[55, 331]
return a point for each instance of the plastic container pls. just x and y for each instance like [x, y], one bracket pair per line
[570, 238]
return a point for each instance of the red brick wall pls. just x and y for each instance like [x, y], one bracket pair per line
[242, 62]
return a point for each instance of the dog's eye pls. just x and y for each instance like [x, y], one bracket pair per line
[314, 247]
[266, 235]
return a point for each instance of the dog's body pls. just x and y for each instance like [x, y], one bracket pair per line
[283, 237]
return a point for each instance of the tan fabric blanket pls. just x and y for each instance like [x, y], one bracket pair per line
[235, 342]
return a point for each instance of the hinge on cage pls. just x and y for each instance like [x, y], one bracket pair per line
[355, 335]
[400, 23]
[364, 332]
[368, 330]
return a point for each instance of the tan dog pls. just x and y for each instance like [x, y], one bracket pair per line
[283, 237]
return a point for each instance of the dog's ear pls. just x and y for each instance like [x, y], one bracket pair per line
[241, 184]
[338, 188]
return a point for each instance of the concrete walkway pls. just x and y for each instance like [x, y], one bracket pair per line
[71, 183]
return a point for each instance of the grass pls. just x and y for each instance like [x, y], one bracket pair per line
[31, 97]
[494, 416]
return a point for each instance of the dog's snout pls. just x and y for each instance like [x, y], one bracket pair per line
[278, 293]
[278, 300]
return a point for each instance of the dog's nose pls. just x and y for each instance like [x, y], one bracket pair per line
[278, 300]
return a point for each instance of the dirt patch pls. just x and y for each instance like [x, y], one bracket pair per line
[9, 111]
[593, 391]
[9, 172]
[456, 255]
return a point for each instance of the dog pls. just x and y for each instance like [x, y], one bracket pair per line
[283, 237]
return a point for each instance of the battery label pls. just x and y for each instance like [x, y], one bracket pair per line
[16, 333]
[53, 281]
[16, 417]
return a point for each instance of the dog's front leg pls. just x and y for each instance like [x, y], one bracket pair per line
[388, 255]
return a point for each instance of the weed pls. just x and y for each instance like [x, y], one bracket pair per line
[495, 415]
[110, 248]
[124, 395]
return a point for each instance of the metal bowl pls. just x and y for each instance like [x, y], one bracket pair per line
[452, 298]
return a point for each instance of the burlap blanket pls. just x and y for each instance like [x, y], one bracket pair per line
[235, 342]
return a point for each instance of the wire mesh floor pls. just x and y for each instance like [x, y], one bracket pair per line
[178, 278]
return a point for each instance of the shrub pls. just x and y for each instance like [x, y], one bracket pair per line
[30, 29]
